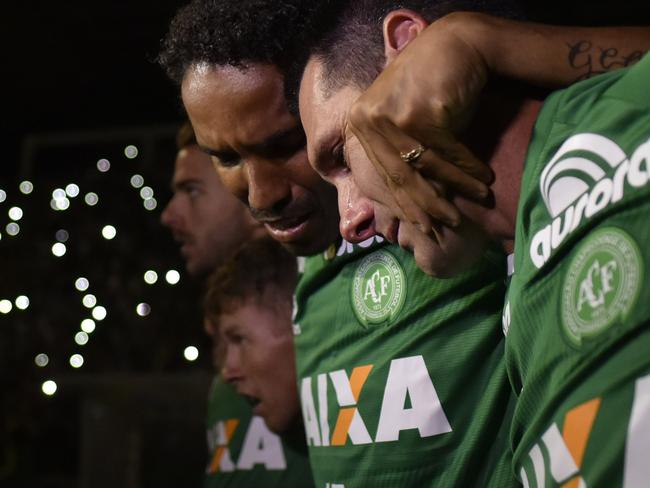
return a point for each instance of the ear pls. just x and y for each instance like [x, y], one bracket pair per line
[400, 28]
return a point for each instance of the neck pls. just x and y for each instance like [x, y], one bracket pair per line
[501, 132]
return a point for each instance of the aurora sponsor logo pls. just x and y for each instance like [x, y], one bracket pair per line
[587, 174]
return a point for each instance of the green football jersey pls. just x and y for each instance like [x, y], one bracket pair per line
[401, 376]
[243, 452]
[578, 306]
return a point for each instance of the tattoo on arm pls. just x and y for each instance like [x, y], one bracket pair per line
[591, 60]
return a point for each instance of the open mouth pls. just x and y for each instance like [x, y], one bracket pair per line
[287, 229]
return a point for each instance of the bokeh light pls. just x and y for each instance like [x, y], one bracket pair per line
[89, 301]
[22, 302]
[76, 361]
[81, 283]
[99, 313]
[131, 151]
[81, 338]
[26, 187]
[72, 190]
[150, 277]
[49, 387]
[15, 213]
[61, 203]
[5, 306]
[109, 232]
[191, 353]
[143, 309]
[3, 196]
[172, 276]
[41, 360]
[150, 204]
[58, 249]
[146, 192]
[103, 165]
[61, 235]
[88, 326]
[12, 229]
[91, 199]
[137, 181]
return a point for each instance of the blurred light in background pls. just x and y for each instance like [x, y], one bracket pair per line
[103, 165]
[49, 387]
[81, 338]
[41, 360]
[58, 249]
[143, 309]
[91, 199]
[137, 181]
[150, 277]
[5, 306]
[88, 326]
[89, 300]
[12, 229]
[26, 187]
[109, 232]
[72, 190]
[191, 353]
[76, 361]
[131, 151]
[172, 276]
[22, 302]
[99, 313]
[81, 284]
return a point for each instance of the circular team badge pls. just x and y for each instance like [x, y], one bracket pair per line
[602, 283]
[378, 288]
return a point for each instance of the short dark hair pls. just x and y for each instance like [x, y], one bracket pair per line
[238, 33]
[260, 266]
[352, 51]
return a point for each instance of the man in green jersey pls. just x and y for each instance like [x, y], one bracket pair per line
[249, 301]
[576, 317]
[401, 377]
[211, 225]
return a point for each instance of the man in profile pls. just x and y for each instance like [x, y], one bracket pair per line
[211, 225]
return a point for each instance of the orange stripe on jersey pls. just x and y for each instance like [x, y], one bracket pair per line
[358, 378]
[343, 426]
[231, 425]
[574, 483]
[216, 459]
[577, 427]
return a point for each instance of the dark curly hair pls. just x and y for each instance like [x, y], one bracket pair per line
[237, 33]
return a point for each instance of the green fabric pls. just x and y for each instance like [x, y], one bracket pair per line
[419, 399]
[577, 312]
[251, 456]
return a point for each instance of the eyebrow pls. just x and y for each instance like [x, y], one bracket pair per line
[269, 144]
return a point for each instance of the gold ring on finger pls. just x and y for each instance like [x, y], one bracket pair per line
[413, 155]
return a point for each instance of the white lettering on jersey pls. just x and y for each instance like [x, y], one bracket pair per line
[309, 413]
[261, 446]
[574, 187]
[637, 467]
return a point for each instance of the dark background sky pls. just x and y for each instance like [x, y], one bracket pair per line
[79, 65]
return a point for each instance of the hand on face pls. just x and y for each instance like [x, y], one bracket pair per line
[425, 96]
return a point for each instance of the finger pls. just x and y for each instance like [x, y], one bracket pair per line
[430, 166]
[405, 184]
[449, 149]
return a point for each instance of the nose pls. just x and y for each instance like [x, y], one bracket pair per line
[170, 217]
[357, 216]
[231, 366]
[268, 186]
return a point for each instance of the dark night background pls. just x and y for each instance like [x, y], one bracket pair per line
[80, 85]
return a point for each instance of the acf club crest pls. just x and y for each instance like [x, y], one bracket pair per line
[602, 283]
[378, 288]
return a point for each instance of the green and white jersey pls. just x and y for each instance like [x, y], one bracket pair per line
[243, 452]
[578, 307]
[401, 376]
